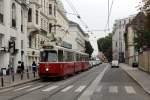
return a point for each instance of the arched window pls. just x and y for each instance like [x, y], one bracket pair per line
[13, 15]
[1, 11]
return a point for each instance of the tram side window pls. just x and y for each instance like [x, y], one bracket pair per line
[77, 57]
[68, 56]
[60, 55]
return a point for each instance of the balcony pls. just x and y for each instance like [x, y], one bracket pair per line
[25, 2]
[37, 2]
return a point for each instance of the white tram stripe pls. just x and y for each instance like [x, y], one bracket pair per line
[67, 88]
[113, 89]
[80, 89]
[37, 87]
[98, 89]
[50, 89]
[130, 90]
[23, 88]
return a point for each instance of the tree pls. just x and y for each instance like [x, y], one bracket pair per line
[88, 48]
[105, 46]
[142, 39]
[141, 26]
[146, 3]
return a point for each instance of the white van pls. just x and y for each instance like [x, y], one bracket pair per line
[115, 63]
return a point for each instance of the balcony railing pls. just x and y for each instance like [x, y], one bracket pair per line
[1, 18]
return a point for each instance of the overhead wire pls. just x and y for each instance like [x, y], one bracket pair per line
[77, 14]
[109, 14]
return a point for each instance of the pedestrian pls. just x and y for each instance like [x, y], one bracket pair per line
[22, 66]
[34, 69]
[19, 67]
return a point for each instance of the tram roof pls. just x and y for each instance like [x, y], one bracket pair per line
[66, 49]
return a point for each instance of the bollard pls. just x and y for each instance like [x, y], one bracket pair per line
[34, 74]
[13, 77]
[21, 75]
[28, 74]
[2, 81]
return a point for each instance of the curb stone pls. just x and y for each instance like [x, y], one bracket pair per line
[21, 83]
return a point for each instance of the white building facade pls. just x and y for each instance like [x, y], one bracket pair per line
[41, 19]
[27, 25]
[78, 36]
[118, 41]
[13, 32]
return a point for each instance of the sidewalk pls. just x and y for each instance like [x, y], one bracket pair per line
[8, 80]
[141, 77]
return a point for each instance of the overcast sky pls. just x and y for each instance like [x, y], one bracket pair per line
[94, 13]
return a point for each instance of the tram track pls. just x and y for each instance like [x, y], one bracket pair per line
[71, 80]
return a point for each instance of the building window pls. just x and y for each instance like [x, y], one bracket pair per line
[50, 9]
[1, 40]
[54, 10]
[30, 15]
[44, 6]
[22, 20]
[41, 22]
[1, 11]
[22, 44]
[50, 27]
[37, 17]
[13, 15]
[116, 44]
[30, 41]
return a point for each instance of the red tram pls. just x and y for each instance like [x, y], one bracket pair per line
[59, 62]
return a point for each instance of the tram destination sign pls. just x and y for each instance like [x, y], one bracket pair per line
[48, 47]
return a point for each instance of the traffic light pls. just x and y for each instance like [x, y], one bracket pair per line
[12, 47]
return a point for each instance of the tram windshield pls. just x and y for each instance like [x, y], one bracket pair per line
[49, 56]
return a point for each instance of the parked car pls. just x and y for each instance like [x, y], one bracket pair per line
[135, 64]
[115, 64]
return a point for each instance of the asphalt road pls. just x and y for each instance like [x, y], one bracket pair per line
[117, 85]
[104, 82]
[68, 89]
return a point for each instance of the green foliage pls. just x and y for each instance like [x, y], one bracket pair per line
[142, 38]
[105, 46]
[89, 48]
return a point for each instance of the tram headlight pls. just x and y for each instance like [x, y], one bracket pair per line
[47, 69]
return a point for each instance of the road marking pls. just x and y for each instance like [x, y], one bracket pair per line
[90, 90]
[98, 89]
[113, 89]
[50, 89]
[80, 88]
[130, 90]
[35, 88]
[67, 88]
[23, 88]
